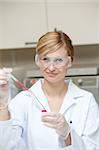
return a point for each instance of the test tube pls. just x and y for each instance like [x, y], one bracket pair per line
[25, 88]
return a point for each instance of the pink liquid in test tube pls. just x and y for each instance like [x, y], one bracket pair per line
[25, 88]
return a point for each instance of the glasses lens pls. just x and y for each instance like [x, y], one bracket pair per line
[57, 62]
[60, 62]
[45, 62]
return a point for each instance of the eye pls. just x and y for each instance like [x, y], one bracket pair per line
[59, 60]
[45, 59]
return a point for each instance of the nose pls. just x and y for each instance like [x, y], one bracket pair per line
[51, 67]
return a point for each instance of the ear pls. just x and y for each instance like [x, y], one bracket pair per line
[37, 60]
[69, 62]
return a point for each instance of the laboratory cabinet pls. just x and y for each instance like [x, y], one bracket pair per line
[78, 19]
[22, 23]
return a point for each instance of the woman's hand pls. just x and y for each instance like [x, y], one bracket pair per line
[4, 86]
[4, 114]
[58, 122]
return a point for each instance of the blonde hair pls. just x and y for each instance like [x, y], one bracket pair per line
[53, 41]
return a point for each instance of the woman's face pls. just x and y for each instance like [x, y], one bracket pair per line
[53, 66]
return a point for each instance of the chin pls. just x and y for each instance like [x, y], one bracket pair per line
[53, 80]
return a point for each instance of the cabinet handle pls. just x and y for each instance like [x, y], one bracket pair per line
[30, 43]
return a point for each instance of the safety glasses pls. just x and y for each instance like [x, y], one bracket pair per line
[57, 62]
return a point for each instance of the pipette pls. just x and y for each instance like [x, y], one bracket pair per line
[25, 88]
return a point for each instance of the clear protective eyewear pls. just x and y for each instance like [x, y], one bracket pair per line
[57, 62]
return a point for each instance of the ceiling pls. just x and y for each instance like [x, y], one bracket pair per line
[49, 1]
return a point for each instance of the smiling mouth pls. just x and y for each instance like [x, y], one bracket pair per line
[51, 75]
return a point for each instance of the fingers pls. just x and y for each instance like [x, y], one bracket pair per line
[5, 75]
[50, 117]
[4, 87]
[3, 78]
[53, 120]
[3, 82]
[58, 122]
[7, 70]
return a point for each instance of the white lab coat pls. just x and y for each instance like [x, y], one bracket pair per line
[79, 108]
[10, 138]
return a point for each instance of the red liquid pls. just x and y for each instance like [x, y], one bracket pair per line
[44, 110]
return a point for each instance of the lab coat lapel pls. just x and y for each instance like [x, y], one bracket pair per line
[79, 116]
[71, 102]
[67, 103]
[69, 99]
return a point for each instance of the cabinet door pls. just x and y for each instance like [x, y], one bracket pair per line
[1, 26]
[98, 21]
[78, 19]
[21, 23]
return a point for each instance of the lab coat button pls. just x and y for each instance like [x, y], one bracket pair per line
[70, 121]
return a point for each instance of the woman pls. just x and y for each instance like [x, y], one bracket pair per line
[55, 114]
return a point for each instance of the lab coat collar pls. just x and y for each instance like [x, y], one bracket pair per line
[72, 96]
[70, 99]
